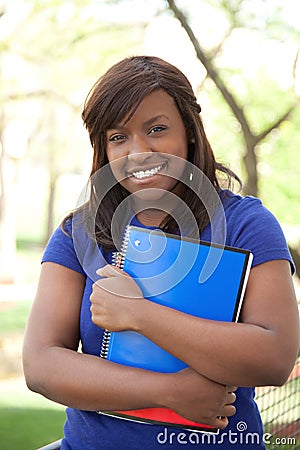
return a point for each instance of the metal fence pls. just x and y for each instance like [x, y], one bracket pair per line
[280, 410]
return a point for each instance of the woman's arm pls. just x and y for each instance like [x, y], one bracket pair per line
[259, 351]
[55, 369]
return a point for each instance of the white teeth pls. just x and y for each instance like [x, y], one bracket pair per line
[146, 173]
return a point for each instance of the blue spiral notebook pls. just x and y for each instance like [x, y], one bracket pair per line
[198, 278]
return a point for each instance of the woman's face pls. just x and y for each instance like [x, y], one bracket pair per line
[149, 151]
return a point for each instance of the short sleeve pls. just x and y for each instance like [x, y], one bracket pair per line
[252, 226]
[60, 249]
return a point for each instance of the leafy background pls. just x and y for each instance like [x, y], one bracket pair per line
[51, 53]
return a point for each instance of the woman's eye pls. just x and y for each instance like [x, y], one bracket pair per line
[116, 138]
[157, 129]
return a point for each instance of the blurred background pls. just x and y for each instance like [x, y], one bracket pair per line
[242, 58]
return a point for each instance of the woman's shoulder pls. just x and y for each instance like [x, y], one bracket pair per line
[241, 211]
[89, 254]
[233, 202]
[250, 225]
[247, 211]
[61, 247]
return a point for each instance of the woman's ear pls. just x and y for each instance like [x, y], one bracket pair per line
[190, 136]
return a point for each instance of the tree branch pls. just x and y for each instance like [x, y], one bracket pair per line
[212, 72]
[278, 122]
[217, 50]
[40, 93]
[295, 68]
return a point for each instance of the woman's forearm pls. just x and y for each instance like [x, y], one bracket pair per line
[261, 350]
[229, 353]
[88, 382]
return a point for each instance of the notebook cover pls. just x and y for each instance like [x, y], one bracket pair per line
[183, 274]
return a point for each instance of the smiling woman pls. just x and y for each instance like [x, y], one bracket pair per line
[142, 108]
[147, 149]
[150, 148]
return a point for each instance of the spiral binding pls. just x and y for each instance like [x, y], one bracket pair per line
[118, 259]
[105, 344]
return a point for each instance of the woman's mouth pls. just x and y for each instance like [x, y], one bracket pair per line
[147, 173]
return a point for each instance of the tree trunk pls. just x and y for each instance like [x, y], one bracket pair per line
[250, 161]
[51, 204]
[7, 219]
[250, 138]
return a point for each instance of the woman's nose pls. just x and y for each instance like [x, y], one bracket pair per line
[138, 148]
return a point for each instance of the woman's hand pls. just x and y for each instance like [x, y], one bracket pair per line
[199, 399]
[114, 299]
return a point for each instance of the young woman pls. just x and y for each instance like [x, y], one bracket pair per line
[146, 132]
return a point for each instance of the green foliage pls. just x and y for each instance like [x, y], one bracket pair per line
[60, 48]
[54, 52]
[280, 172]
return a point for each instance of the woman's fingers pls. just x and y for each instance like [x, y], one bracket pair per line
[220, 423]
[231, 398]
[110, 271]
[231, 388]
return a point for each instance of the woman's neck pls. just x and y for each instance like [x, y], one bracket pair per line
[152, 211]
[151, 217]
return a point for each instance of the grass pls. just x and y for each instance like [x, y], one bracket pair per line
[25, 429]
[27, 421]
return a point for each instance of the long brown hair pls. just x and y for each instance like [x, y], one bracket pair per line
[116, 95]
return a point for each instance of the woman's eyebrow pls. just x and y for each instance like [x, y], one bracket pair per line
[147, 123]
[155, 119]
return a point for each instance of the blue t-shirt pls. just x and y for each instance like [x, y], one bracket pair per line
[249, 225]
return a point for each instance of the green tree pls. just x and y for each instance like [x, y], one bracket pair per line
[50, 52]
[262, 107]
[252, 133]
